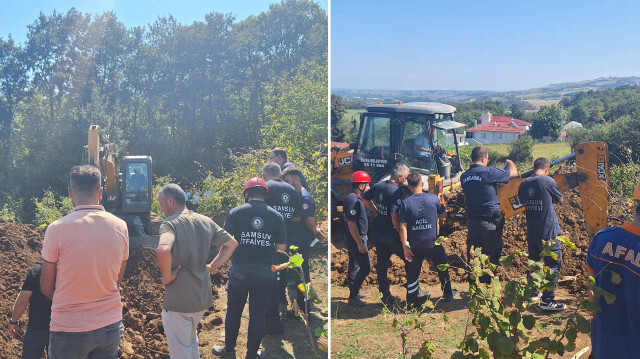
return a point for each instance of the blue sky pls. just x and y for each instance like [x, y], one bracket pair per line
[481, 45]
[15, 18]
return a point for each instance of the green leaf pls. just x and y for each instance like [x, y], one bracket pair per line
[505, 346]
[293, 248]
[592, 280]
[440, 240]
[529, 321]
[296, 260]
[566, 241]
[514, 318]
[615, 278]
[507, 260]
[572, 334]
[584, 326]
[394, 323]
[484, 354]
[443, 267]
[608, 297]
[445, 317]
[589, 305]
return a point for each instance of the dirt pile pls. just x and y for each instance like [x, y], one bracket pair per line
[142, 292]
[571, 220]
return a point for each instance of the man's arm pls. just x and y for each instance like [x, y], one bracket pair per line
[513, 170]
[369, 204]
[395, 221]
[48, 279]
[408, 254]
[225, 252]
[310, 223]
[123, 265]
[164, 263]
[18, 309]
[353, 230]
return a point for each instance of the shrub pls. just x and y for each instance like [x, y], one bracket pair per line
[49, 208]
[11, 209]
[521, 150]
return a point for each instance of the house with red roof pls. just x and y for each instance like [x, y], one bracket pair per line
[498, 129]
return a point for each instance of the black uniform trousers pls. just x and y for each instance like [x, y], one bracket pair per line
[384, 251]
[535, 248]
[487, 235]
[436, 255]
[359, 266]
[254, 282]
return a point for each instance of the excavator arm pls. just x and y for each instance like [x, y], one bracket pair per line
[591, 176]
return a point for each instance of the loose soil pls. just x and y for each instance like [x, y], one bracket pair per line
[142, 293]
[571, 220]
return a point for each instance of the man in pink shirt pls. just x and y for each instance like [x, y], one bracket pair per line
[84, 256]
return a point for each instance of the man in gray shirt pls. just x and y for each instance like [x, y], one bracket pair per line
[185, 240]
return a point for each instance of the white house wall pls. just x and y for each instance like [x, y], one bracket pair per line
[494, 137]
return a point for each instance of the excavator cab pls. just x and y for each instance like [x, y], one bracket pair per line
[422, 135]
[136, 184]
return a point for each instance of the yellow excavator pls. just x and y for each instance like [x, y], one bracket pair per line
[127, 182]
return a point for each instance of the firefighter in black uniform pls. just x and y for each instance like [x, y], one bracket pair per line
[285, 199]
[260, 231]
[355, 236]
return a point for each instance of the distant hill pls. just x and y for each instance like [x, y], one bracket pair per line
[553, 92]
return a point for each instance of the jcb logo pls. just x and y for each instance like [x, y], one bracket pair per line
[602, 173]
[345, 161]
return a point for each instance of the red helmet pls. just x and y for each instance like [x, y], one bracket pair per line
[255, 182]
[360, 177]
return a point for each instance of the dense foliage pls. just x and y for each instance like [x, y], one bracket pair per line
[188, 95]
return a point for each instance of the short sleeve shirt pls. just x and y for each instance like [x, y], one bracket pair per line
[538, 193]
[615, 329]
[285, 199]
[480, 190]
[88, 247]
[39, 304]
[354, 210]
[382, 194]
[420, 213]
[303, 236]
[190, 236]
[422, 140]
[257, 228]
[398, 196]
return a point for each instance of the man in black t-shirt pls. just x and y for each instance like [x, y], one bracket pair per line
[355, 236]
[36, 337]
[538, 193]
[283, 198]
[279, 156]
[306, 230]
[260, 231]
[381, 199]
[484, 218]
[418, 218]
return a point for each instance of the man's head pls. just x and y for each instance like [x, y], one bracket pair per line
[270, 170]
[360, 180]
[292, 175]
[172, 200]
[84, 185]
[542, 165]
[480, 155]
[255, 189]
[278, 155]
[399, 173]
[414, 180]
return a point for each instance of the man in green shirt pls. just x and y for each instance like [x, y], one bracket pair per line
[183, 250]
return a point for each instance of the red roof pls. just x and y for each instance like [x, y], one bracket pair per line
[508, 119]
[497, 127]
[502, 124]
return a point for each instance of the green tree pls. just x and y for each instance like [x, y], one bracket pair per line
[338, 110]
[546, 122]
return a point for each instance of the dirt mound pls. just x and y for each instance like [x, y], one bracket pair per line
[571, 220]
[142, 292]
